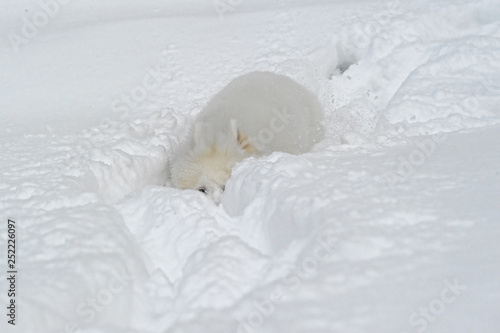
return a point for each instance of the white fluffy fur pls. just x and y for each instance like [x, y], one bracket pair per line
[255, 114]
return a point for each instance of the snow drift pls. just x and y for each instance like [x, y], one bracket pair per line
[388, 225]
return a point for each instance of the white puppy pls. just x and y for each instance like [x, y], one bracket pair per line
[255, 114]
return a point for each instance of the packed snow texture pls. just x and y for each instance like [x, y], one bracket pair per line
[389, 224]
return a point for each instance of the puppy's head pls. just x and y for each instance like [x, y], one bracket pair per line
[207, 162]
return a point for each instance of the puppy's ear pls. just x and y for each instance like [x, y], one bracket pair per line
[198, 133]
[233, 128]
[242, 139]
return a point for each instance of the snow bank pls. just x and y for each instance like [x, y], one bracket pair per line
[416, 69]
[392, 214]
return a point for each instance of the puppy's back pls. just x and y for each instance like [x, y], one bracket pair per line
[277, 113]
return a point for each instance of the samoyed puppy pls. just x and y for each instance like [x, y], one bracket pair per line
[254, 115]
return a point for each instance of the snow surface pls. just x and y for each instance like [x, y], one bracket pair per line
[390, 224]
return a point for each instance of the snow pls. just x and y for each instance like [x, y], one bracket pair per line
[390, 224]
